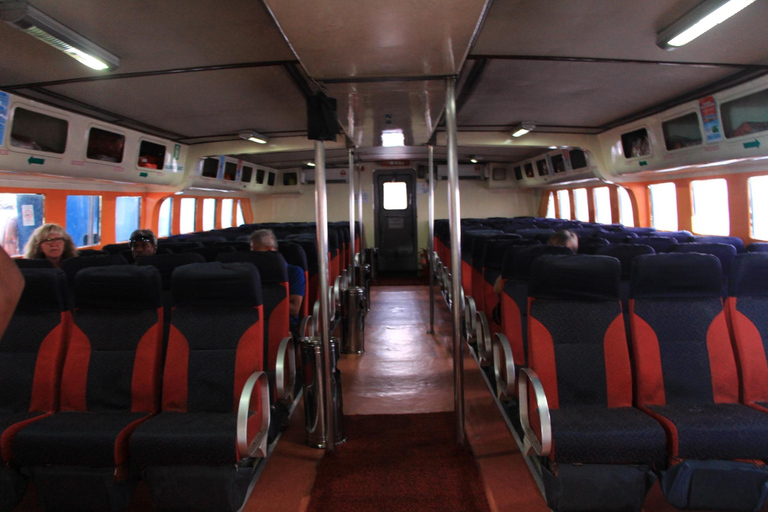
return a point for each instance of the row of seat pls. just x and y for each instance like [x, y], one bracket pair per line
[684, 397]
[88, 406]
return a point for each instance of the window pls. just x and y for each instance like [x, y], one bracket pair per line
[518, 172]
[105, 146]
[395, 195]
[578, 159]
[290, 179]
[210, 168]
[746, 115]
[84, 219]
[682, 132]
[529, 170]
[240, 218]
[626, 213]
[226, 213]
[758, 206]
[564, 203]
[209, 214]
[710, 207]
[127, 217]
[165, 215]
[602, 198]
[664, 206]
[636, 143]
[151, 155]
[259, 176]
[541, 165]
[271, 179]
[230, 171]
[187, 215]
[550, 206]
[39, 132]
[581, 204]
[20, 215]
[247, 174]
[558, 163]
[499, 174]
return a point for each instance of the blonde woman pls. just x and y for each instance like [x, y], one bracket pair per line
[51, 242]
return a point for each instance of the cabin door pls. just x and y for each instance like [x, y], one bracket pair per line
[395, 226]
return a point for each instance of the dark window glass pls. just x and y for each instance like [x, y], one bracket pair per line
[518, 173]
[230, 171]
[210, 167]
[746, 115]
[558, 163]
[151, 155]
[271, 179]
[529, 170]
[39, 132]
[682, 132]
[636, 143]
[105, 145]
[259, 176]
[578, 159]
[499, 174]
[541, 165]
[290, 179]
[247, 174]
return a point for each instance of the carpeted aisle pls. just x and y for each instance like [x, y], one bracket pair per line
[398, 462]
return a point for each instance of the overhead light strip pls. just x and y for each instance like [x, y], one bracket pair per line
[696, 22]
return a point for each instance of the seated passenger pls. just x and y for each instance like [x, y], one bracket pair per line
[51, 242]
[264, 240]
[143, 243]
[564, 237]
[11, 286]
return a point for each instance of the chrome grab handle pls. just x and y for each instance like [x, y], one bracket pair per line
[505, 387]
[256, 445]
[483, 338]
[469, 319]
[316, 319]
[306, 323]
[542, 444]
[286, 356]
[336, 297]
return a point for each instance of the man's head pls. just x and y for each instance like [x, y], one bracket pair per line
[565, 238]
[263, 240]
[143, 243]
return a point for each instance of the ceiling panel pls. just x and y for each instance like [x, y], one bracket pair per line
[576, 94]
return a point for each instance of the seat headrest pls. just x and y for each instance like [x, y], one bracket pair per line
[72, 266]
[118, 287]
[676, 275]
[518, 259]
[170, 261]
[216, 284]
[625, 253]
[293, 254]
[33, 263]
[575, 277]
[271, 264]
[45, 289]
[749, 275]
[496, 248]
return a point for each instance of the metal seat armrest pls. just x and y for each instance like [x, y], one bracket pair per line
[285, 367]
[483, 338]
[540, 443]
[306, 323]
[248, 443]
[502, 355]
[469, 319]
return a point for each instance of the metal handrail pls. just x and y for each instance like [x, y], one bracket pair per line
[541, 443]
[256, 445]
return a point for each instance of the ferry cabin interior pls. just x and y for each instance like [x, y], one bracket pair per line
[202, 120]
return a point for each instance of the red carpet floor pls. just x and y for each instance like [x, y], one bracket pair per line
[398, 462]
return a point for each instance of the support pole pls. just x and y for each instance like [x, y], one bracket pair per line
[360, 209]
[455, 224]
[431, 241]
[351, 172]
[321, 217]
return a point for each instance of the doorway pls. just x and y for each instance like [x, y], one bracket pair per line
[395, 220]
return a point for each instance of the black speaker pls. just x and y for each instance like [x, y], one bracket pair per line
[322, 123]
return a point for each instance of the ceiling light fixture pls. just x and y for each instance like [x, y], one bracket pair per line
[521, 129]
[703, 17]
[23, 16]
[392, 138]
[473, 159]
[254, 137]
[309, 164]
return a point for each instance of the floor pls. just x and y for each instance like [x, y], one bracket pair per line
[405, 370]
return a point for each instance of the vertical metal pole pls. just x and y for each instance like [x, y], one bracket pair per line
[360, 209]
[321, 218]
[431, 241]
[455, 222]
[352, 215]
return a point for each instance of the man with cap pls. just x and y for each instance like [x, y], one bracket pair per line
[143, 243]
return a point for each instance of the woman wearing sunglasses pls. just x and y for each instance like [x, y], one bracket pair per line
[51, 242]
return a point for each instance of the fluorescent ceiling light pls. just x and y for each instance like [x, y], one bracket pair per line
[703, 17]
[41, 26]
[522, 128]
[310, 164]
[473, 159]
[254, 137]
[392, 138]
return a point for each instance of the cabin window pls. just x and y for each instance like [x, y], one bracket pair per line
[499, 174]
[84, 219]
[210, 168]
[626, 213]
[240, 218]
[758, 206]
[187, 215]
[558, 163]
[747, 115]
[578, 159]
[209, 214]
[636, 143]
[602, 198]
[105, 146]
[529, 170]
[395, 195]
[550, 206]
[230, 171]
[38, 132]
[290, 179]
[541, 165]
[518, 173]
[20, 215]
[127, 217]
[165, 216]
[663, 206]
[151, 155]
[226, 213]
[271, 179]
[247, 174]
[581, 204]
[564, 204]
[682, 132]
[710, 207]
[259, 176]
